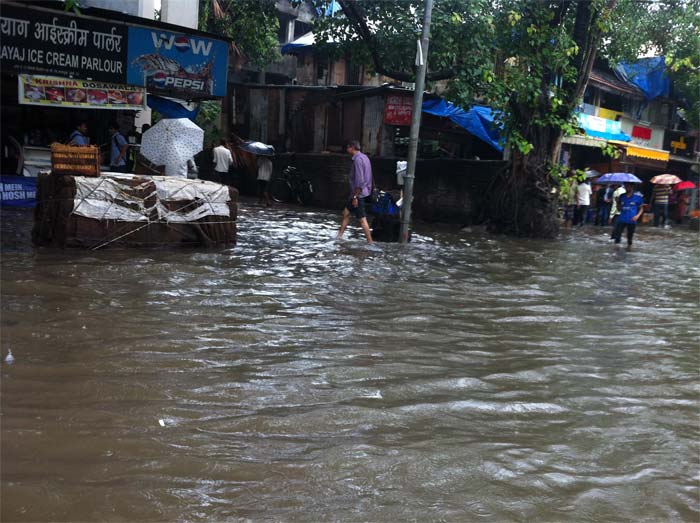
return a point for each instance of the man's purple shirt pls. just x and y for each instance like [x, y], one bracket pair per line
[361, 175]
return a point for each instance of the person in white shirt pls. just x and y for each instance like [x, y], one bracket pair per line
[583, 201]
[264, 175]
[222, 161]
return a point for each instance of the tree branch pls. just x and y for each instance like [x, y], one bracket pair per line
[358, 22]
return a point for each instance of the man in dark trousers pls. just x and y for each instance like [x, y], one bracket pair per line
[631, 210]
[360, 188]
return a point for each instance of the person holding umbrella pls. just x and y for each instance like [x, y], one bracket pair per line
[631, 210]
[660, 197]
[682, 199]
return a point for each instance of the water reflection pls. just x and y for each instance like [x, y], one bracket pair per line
[462, 377]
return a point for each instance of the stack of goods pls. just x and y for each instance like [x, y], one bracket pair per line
[76, 161]
[132, 210]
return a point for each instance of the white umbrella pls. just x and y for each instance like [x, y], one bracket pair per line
[171, 142]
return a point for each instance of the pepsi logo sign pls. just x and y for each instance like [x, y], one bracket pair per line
[159, 78]
[182, 43]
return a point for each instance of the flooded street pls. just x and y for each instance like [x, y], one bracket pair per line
[465, 377]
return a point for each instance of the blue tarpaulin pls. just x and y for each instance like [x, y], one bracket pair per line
[328, 8]
[171, 108]
[303, 42]
[648, 74]
[479, 120]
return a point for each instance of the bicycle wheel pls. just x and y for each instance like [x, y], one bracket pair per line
[280, 190]
[305, 192]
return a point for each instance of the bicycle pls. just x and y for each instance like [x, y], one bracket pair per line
[292, 186]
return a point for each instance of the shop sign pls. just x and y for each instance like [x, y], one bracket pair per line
[642, 133]
[47, 42]
[680, 143]
[17, 191]
[187, 66]
[398, 110]
[65, 92]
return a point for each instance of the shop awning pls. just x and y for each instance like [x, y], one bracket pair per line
[300, 43]
[303, 42]
[640, 151]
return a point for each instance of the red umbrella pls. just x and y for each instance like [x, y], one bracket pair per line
[684, 185]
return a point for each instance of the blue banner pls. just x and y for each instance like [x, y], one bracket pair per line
[176, 64]
[17, 191]
[602, 127]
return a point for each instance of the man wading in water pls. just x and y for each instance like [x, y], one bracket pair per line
[360, 188]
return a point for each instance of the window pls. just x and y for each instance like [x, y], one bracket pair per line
[611, 101]
[300, 29]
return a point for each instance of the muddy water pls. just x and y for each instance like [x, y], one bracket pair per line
[465, 377]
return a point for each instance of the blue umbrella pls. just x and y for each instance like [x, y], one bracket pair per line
[619, 178]
[259, 148]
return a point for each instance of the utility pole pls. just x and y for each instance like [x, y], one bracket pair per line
[421, 67]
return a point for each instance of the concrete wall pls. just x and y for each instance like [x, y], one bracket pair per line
[129, 7]
[445, 190]
[184, 13]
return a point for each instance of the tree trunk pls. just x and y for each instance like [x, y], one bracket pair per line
[522, 201]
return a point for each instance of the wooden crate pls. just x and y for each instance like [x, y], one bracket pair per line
[76, 161]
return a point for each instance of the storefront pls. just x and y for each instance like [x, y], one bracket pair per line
[60, 69]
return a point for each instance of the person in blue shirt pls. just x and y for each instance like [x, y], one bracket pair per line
[631, 210]
[118, 149]
[79, 136]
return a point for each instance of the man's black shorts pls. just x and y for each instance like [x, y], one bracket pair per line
[359, 211]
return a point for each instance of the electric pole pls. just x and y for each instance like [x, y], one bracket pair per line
[421, 67]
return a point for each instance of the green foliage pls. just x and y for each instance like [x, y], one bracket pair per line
[72, 5]
[670, 29]
[609, 150]
[208, 118]
[251, 24]
[525, 58]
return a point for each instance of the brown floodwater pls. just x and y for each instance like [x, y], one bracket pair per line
[464, 377]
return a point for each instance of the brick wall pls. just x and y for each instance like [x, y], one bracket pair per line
[444, 190]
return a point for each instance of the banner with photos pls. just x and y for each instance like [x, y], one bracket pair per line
[50, 91]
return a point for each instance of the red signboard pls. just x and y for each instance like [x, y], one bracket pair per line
[398, 110]
[643, 133]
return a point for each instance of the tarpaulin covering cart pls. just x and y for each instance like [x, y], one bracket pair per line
[132, 210]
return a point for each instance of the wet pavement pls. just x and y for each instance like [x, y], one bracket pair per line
[464, 377]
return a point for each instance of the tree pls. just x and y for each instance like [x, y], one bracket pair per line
[528, 59]
[251, 24]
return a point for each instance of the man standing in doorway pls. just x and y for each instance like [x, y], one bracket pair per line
[222, 162]
[118, 149]
[360, 188]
